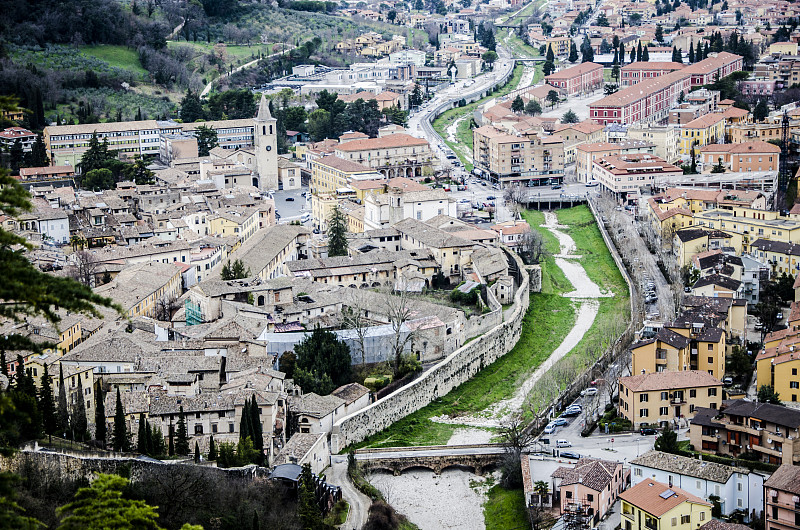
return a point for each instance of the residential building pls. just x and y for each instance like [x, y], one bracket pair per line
[780, 256]
[266, 253]
[591, 487]
[767, 431]
[736, 488]
[450, 251]
[146, 289]
[176, 147]
[575, 134]
[664, 138]
[12, 135]
[512, 233]
[578, 79]
[656, 506]
[404, 200]
[683, 345]
[663, 398]
[782, 499]
[745, 156]
[46, 173]
[332, 173]
[533, 159]
[626, 175]
[707, 129]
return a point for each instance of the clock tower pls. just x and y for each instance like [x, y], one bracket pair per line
[266, 148]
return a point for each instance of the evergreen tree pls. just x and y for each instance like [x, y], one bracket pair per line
[639, 51]
[47, 404]
[532, 107]
[307, 508]
[622, 53]
[645, 54]
[676, 55]
[61, 409]
[196, 453]
[761, 110]
[16, 156]
[206, 140]
[691, 52]
[517, 106]
[550, 57]
[182, 435]
[141, 436]
[96, 156]
[548, 67]
[587, 51]
[256, 525]
[79, 422]
[337, 233]
[4, 364]
[119, 438]
[171, 450]
[633, 54]
[191, 107]
[212, 449]
[659, 34]
[257, 431]
[38, 155]
[573, 51]
[100, 415]
[245, 428]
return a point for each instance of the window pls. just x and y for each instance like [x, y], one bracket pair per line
[643, 413]
[230, 427]
[794, 371]
[664, 396]
[213, 428]
[685, 519]
[674, 521]
[692, 393]
[663, 411]
[794, 384]
[569, 494]
[590, 497]
[198, 428]
[710, 360]
[702, 516]
[643, 398]
[739, 486]
[712, 392]
[637, 472]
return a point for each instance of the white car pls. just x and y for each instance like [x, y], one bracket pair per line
[550, 429]
[589, 392]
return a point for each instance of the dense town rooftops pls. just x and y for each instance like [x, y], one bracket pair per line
[669, 380]
[684, 465]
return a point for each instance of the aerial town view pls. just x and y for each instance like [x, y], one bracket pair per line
[399, 264]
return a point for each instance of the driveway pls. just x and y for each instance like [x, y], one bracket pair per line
[359, 503]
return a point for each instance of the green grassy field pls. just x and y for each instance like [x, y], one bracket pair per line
[116, 56]
[505, 509]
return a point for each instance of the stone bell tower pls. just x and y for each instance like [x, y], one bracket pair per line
[265, 147]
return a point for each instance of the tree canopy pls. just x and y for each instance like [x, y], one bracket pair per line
[322, 354]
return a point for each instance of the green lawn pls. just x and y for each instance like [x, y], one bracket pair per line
[116, 56]
[553, 279]
[505, 509]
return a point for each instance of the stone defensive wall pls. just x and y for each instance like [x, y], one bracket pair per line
[452, 371]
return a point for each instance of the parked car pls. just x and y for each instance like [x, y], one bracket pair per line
[563, 443]
[550, 429]
[571, 412]
[727, 381]
[589, 392]
[555, 187]
[560, 422]
[490, 198]
[648, 431]
[570, 454]
[592, 184]
[289, 199]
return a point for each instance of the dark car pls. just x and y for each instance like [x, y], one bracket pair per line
[289, 199]
[570, 454]
[571, 412]
[648, 431]
[490, 197]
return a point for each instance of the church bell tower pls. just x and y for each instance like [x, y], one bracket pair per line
[266, 148]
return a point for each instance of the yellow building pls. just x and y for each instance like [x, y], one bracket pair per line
[663, 398]
[751, 224]
[145, 289]
[681, 347]
[72, 376]
[783, 48]
[652, 505]
[330, 174]
[240, 222]
[708, 129]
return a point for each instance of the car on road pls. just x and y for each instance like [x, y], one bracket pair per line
[550, 428]
[571, 411]
[592, 184]
[570, 454]
[490, 198]
[556, 187]
[727, 381]
[563, 443]
[589, 392]
[289, 199]
[648, 431]
[463, 201]
[560, 422]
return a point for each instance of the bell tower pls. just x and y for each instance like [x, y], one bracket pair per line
[265, 147]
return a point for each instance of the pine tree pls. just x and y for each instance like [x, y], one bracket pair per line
[119, 438]
[337, 233]
[182, 436]
[691, 52]
[141, 436]
[100, 415]
[47, 405]
[212, 449]
[79, 422]
[517, 105]
[61, 409]
[38, 155]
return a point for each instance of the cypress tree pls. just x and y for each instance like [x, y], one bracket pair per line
[100, 415]
[4, 364]
[212, 449]
[645, 55]
[141, 436]
[79, 422]
[196, 453]
[639, 51]
[622, 53]
[244, 423]
[691, 51]
[119, 439]
[633, 54]
[47, 405]
[255, 427]
[149, 442]
[62, 412]
[171, 449]
[182, 436]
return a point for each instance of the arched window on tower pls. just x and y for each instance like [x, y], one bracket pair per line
[263, 129]
[270, 129]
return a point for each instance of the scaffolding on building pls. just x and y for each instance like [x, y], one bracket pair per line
[578, 515]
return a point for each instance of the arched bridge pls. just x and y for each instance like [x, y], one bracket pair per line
[478, 457]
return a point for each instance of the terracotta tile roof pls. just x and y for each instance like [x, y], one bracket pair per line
[786, 478]
[666, 65]
[690, 467]
[586, 127]
[391, 141]
[572, 71]
[597, 146]
[593, 473]
[649, 496]
[669, 380]
[704, 121]
[343, 165]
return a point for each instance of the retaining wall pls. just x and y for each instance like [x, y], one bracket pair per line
[455, 369]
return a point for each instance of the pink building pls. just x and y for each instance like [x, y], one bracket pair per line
[579, 78]
[782, 499]
[630, 74]
[592, 485]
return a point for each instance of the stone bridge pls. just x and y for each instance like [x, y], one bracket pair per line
[477, 457]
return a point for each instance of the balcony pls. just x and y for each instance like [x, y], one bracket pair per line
[677, 401]
[766, 450]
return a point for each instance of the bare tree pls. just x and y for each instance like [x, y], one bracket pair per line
[514, 434]
[398, 311]
[514, 197]
[165, 307]
[84, 266]
[354, 317]
[531, 248]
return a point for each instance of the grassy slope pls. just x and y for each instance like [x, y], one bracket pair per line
[505, 509]
[116, 56]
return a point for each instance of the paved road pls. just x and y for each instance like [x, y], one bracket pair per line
[359, 503]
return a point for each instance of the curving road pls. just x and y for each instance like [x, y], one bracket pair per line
[359, 503]
[207, 88]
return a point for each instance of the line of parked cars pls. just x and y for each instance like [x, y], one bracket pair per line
[650, 295]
